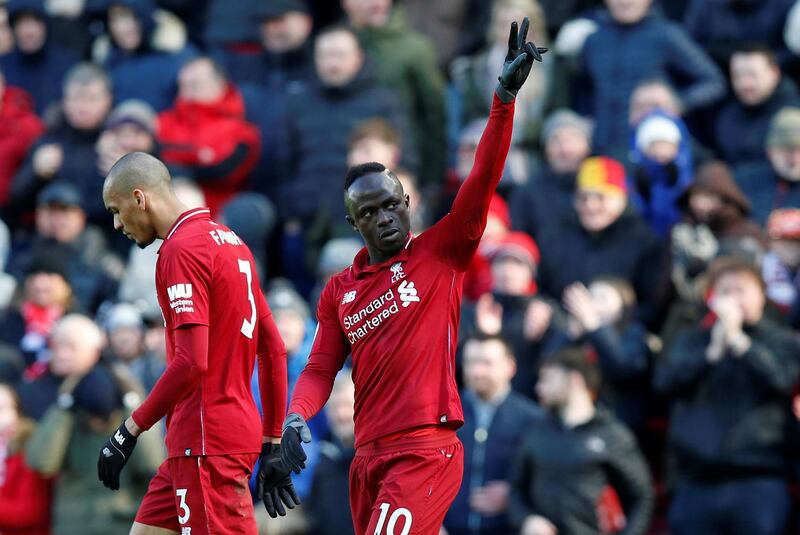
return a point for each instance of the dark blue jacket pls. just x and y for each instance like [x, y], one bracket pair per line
[79, 168]
[765, 190]
[729, 419]
[657, 188]
[320, 121]
[487, 457]
[146, 74]
[720, 26]
[40, 74]
[740, 130]
[617, 57]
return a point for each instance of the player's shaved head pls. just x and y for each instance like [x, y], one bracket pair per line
[137, 170]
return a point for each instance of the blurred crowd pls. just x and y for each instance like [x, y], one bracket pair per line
[629, 353]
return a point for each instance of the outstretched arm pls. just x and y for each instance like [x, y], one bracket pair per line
[461, 230]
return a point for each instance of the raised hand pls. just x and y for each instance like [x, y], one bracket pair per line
[519, 59]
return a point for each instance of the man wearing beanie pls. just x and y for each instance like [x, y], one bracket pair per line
[606, 238]
[775, 184]
[547, 197]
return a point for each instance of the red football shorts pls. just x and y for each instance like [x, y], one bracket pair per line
[405, 487]
[201, 496]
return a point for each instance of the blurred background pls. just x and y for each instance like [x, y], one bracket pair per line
[629, 353]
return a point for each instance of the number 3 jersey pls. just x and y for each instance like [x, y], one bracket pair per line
[205, 275]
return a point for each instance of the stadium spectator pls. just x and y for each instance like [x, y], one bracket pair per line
[791, 31]
[715, 222]
[759, 91]
[25, 496]
[494, 414]
[229, 31]
[661, 157]
[548, 195]
[142, 44]
[608, 238]
[445, 24]
[346, 85]
[130, 127]
[514, 311]
[35, 64]
[601, 317]
[286, 56]
[328, 507]
[92, 269]
[719, 26]
[19, 128]
[375, 140]
[206, 133]
[84, 401]
[125, 331]
[781, 263]
[405, 63]
[46, 296]
[321, 115]
[67, 150]
[473, 76]
[578, 469]
[730, 380]
[645, 45]
[775, 184]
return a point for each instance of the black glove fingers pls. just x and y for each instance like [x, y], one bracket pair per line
[269, 506]
[285, 497]
[292, 494]
[523, 34]
[277, 502]
[512, 37]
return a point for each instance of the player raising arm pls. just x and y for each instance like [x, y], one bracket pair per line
[217, 321]
[396, 310]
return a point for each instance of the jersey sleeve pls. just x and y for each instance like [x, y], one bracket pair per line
[456, 236]
[273, 381]
[184, 372]
[328, 353]
[186, 276]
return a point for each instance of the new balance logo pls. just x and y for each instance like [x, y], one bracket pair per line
[408, 293]
[179, 291]
[107, 453]
[397, 272]
[119, 438]
[349, 297]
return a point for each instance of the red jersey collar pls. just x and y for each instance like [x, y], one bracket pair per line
[361, 263]
[194, 213]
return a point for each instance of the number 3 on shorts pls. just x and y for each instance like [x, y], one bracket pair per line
[395, 516]
[185, 512]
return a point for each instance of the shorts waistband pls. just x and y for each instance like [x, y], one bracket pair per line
[441, 436]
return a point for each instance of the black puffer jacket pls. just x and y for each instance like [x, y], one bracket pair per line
[561, 472]
[729, 418]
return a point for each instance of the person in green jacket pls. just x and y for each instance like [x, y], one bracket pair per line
[406, 63]
[93, 399]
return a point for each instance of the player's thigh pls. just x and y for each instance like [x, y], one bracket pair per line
[212, 494]
[157, 512]
[416, 490]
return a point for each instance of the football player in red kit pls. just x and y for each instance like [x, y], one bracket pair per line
[217, 321]
[396, 310]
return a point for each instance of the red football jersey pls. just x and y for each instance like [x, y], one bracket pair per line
[399, 319]
[205, 275]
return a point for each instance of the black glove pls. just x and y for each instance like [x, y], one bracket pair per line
[113, 456]
[274, 482]
[519, 60]
[295, 430]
